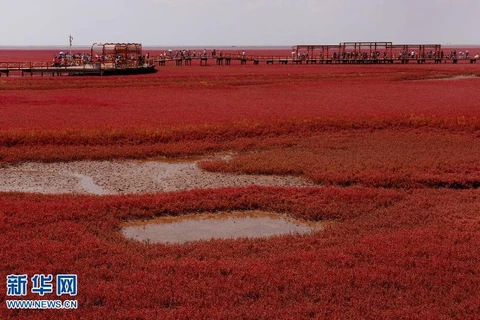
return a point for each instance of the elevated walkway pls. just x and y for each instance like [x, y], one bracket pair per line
[46, 68]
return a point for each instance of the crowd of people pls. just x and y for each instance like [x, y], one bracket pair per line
[64, 59]
[68, 59]
[189, 54]
[357, 55]
[193, 54]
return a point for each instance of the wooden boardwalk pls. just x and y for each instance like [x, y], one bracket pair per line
[345, 53]
[46, 68]
[342, 53]
[256, 60]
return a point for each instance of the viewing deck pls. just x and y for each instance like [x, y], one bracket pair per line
[103, 59]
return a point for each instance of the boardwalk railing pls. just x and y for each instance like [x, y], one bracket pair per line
[318, 59]
[74, 68]
[23, 65]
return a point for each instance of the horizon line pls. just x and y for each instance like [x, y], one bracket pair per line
[83, 46]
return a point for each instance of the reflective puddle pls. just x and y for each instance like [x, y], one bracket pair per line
[250, 224]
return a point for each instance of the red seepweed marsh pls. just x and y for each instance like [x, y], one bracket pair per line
[390, 158]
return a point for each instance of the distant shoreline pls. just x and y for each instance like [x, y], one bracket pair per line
[152, 47]
[181, 47]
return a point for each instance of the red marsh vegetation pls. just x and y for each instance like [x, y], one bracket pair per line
[390, 254]
[395, 148]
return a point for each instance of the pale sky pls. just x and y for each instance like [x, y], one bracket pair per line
[238, 22]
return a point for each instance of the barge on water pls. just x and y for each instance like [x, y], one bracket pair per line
[103, 59]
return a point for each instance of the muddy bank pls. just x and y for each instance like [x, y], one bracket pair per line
[122, 177]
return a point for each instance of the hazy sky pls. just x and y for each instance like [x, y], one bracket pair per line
[238, 22]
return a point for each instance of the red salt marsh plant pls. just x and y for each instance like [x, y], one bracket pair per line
[402, 252]
[196, 96]
[185, 111]
[289, 147]
[384, 158]
[390, 254]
